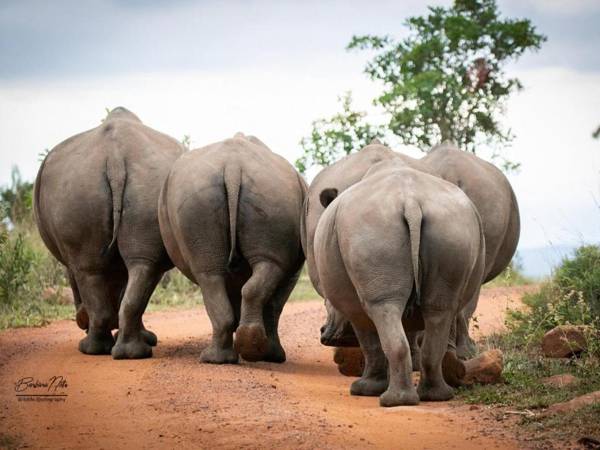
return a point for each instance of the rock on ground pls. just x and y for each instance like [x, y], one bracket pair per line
[574, 404]
[559, 381]
[564, 341]
[485, 368]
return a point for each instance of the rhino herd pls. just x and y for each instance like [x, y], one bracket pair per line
[398, 247]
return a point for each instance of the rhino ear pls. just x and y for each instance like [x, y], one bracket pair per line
[327, 196]
[375, 142]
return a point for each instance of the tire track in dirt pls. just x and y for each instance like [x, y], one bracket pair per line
[174, 400]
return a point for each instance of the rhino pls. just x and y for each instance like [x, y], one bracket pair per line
[483, 183]
[229, 216]
[95, 206]
[400, 250]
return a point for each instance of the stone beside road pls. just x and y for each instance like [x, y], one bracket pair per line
[559, 381]
[485, 368]
[564, 341]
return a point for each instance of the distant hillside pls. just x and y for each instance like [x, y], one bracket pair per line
[538, 262]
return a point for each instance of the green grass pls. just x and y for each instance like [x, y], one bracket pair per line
[570, 296]
[524, 367]
[304, 289]
[26, 268]
[175, 291]
[511, 276]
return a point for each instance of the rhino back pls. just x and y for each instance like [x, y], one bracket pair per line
[270, 200]
[74, 198]
[374, 236]
[492, 195]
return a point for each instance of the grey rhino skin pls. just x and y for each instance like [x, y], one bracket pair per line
[483, 183]
[95, 204]
[230, 218]
[400, 249]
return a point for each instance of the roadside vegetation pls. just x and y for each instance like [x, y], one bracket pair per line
[511, 276]
[570, 297]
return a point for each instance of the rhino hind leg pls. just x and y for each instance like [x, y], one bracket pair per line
[251, 340]
[81, 316]
[432, 386]
[271, 313]
[96, 305]
[465, 346]
[387, 317]
[222, 317]
[374, 380]
[131, 342]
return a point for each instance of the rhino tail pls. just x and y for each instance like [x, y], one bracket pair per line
[233, 181]
[116, 173]
[414, 217]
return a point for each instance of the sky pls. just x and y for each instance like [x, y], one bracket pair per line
[211, 68]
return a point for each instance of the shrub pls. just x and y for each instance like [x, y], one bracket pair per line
[26, 268]
[15, 266]
[571, 297]
[511, 276]
[582, 275]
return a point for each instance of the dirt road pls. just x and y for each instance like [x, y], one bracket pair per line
[172, 400]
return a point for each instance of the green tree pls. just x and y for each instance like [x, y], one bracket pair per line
[332, 138]
[446, 80]
[16, 199]
[596, 134]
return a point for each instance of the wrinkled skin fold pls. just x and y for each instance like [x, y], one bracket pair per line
[95, 204]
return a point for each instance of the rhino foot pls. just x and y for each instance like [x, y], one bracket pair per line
[399, 397]
[438, 393]
[96, 344]
[214, 355]
[275, 354]
[453, 369]
[371, 387]
[134, 349]
[251, 342]
[148, 336]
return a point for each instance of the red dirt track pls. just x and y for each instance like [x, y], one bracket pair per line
[172, 400]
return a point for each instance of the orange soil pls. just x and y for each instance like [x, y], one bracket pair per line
[173, 400]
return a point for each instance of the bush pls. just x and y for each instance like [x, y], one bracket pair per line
[571, 297]
[582, 275]
[26, 268]
[15, 266]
